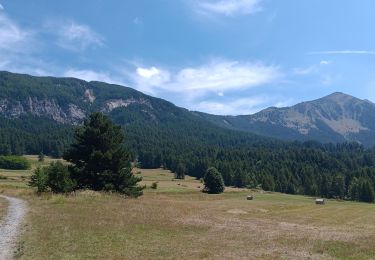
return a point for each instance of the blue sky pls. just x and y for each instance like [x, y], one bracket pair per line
[216, 56]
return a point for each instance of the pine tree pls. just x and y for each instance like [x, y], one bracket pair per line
[213, 181]
[366, 191]
[180, 171]
[99, 160]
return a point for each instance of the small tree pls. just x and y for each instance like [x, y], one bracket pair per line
[59, 178]
[41, 157]
[180, 171]
[99, 160]
[213, 181]
[39, 180]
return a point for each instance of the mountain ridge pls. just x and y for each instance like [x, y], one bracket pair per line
[337, 117]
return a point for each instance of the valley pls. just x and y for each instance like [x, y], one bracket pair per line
[190, 225]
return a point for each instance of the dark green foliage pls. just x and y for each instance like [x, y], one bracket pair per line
[41, 157]
[14, 163]
[180, 171]
[99, 160]
[59, 178]
[213, 181]
[240, 179]
[360, 189]
[39, 180]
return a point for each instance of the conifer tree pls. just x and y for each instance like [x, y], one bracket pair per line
[99, 160]
[213, 181]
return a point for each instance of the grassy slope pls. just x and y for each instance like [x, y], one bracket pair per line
[178, 221]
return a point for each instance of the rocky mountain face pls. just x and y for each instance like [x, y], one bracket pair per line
[69, 113]
[334, 118]
[68, 101]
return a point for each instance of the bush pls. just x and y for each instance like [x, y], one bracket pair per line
[154, 185]
[14, 163]
[59, 178]
[55, 177]
[39, 180]
[41, 157]
[213, 181]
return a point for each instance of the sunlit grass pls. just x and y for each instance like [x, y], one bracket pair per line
[177, 220]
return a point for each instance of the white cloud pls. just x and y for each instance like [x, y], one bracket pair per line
[151, 79]
[226, 75]
[325, 62]
[360, 52]
[228, 7]
[1, 7]
[75, 37]
[90, 75]
[148, 72]
[215, 77]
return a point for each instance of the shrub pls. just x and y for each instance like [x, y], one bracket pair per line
[59, 178]
[14, 163]
[39, 180]
[154, 185]
[41, 157]
[213, 181]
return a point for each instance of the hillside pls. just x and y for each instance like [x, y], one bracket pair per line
[334, 118]
[38, 114]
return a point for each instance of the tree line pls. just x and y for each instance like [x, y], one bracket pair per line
[344, 171]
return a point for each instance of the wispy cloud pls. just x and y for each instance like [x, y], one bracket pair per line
[242, 106]
[1, 7]
[313, 69]
[75, 37]
[228, 7]
[137, 21]
[12, 37]
[360, 52]
[216, 77]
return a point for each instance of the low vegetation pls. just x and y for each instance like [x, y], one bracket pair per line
[14, 163]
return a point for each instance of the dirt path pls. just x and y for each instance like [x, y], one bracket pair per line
[10, 226]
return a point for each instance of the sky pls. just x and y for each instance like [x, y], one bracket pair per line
[226, 57]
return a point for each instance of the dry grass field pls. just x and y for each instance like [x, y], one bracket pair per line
[177, 221]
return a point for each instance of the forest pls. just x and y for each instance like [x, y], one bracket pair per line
[342, 171]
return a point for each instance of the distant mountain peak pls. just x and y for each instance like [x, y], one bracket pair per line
[338, 96]
[336, 117]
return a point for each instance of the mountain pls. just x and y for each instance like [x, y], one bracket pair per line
[334, 118]
[39, 114]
